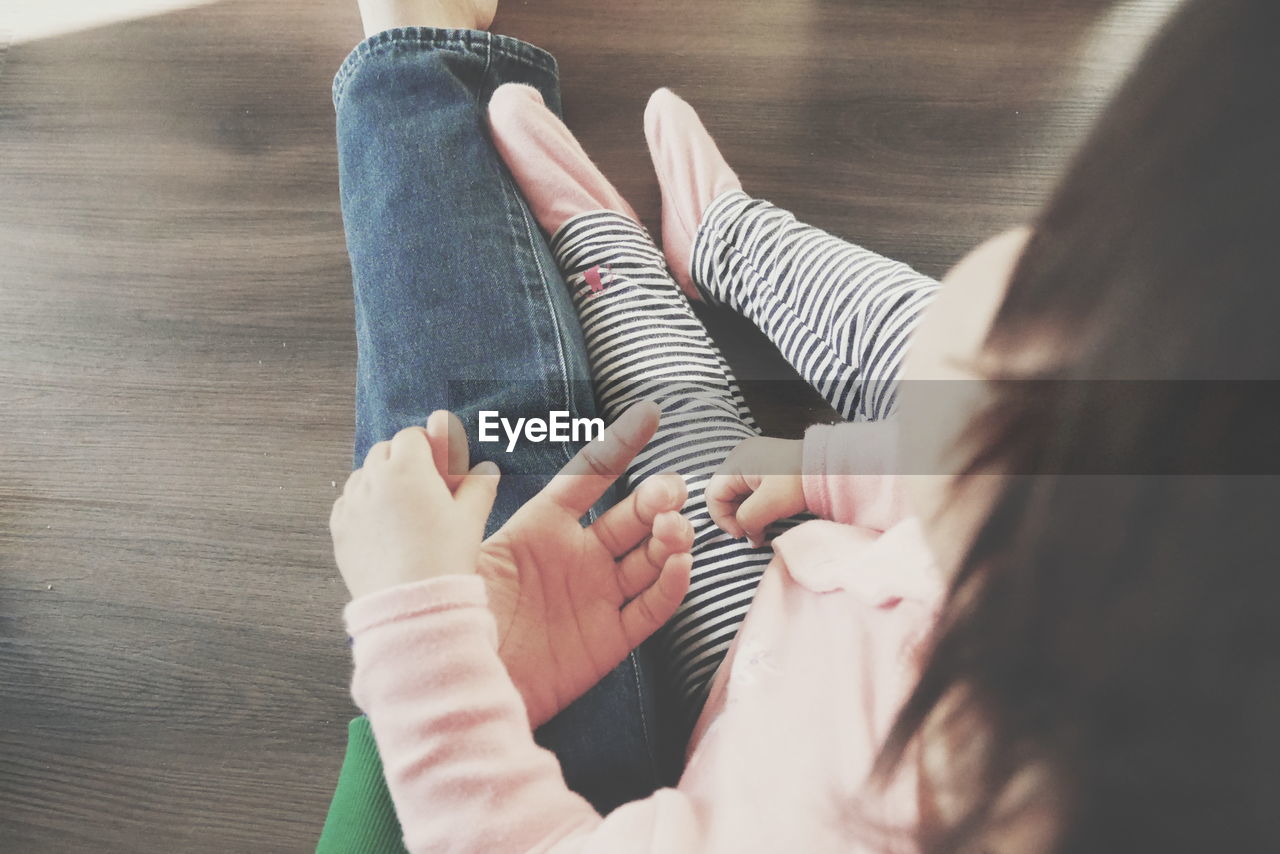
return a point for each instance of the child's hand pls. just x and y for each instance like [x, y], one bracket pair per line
[759, 483]
[397, 521]
[569, 601]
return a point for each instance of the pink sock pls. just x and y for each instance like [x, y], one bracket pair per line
[557, 178]
[691, 172]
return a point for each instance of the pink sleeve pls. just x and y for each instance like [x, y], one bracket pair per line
[460, 761]
[850, 474]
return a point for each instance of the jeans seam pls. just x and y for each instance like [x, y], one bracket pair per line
[484, 73]
[562, 362]
[644, 718]
[530, 237]
[518, 220]
[459, 40]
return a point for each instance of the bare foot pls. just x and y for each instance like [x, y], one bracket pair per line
[379, 15]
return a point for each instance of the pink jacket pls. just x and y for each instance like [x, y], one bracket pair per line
[780, 757]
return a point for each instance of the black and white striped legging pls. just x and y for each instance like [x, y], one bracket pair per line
[839, 313]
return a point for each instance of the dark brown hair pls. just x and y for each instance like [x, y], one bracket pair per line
[1119, 636]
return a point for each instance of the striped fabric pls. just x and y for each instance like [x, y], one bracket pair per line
[644, 341]
[840, 314]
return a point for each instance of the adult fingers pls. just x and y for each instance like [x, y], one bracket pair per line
[630, 520]
[641, 567]
[585, 478]
[647, 612]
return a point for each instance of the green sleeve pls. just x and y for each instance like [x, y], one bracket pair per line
[362, 819]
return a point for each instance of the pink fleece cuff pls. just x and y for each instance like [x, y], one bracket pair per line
[444, 593]
[849, 474]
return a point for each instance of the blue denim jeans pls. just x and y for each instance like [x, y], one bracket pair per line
[454, 282]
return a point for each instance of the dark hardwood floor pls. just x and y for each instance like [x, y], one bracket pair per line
[177, 354]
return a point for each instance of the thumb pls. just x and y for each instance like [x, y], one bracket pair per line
[448, 446]
[722, 494]
[478, 490]
[756, 512]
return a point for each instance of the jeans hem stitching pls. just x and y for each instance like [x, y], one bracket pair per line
[461, 41]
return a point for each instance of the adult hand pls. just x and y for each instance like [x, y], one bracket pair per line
[572, 601]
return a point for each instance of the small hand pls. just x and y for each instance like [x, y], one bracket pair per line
[570, 602]
[397, 521]
[759, 483]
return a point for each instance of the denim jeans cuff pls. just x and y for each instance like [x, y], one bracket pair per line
[492, 48]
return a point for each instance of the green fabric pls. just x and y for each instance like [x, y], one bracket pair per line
[362, 819]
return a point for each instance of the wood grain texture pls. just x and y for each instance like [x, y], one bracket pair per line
[177, 355]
